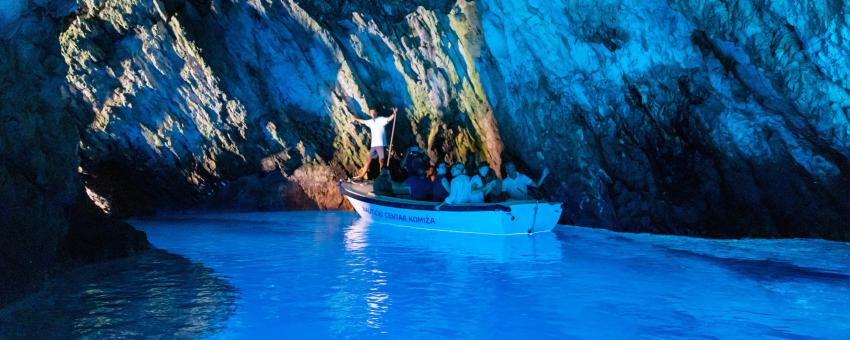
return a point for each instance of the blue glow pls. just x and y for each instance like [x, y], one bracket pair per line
[323, 274]
[330, 275]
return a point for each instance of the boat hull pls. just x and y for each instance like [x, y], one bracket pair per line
[540, 247]
[501, 219]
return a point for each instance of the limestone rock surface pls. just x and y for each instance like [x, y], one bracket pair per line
[712, 118]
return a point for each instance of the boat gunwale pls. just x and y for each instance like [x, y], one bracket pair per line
[422, 205]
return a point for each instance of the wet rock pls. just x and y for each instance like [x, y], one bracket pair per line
[92, 236]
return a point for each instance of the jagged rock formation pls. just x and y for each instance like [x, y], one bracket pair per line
[712, 118]
[187, 95]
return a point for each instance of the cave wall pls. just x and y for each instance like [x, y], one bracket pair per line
[45, 219]
[190, 97]
[712, 118]
[38, 144]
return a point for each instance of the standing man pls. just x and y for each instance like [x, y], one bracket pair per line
[515, 185]
[379, 140]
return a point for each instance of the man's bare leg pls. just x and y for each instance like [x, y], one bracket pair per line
[365, 170]
[380, 164]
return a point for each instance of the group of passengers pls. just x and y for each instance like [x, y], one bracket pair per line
[439, 183]
[453, 185]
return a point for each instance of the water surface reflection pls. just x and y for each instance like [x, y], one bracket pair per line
[331, 275]
[156, 294]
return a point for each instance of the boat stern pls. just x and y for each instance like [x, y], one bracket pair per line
[532, 217]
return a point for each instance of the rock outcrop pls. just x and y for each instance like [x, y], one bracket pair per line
[711, 118]
[189, 97]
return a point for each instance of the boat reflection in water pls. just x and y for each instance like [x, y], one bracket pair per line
[387, 263]
[538, 247]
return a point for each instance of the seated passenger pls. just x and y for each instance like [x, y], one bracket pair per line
[419, 186]
[431, 172]
[440, 184]
[516, 185]
[413, 159]
[459, 187]
[484, 185]
[495, 193]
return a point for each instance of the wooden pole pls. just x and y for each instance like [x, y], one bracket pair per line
[392, 135]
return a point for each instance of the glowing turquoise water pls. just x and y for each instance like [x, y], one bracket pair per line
[286, 275]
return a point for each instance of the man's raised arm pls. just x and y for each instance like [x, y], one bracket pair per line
[392, 116]
[542, 178]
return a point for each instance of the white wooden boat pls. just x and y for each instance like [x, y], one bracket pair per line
[506, 218]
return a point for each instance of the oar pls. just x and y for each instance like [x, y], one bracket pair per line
[392, 135]
[542, 160]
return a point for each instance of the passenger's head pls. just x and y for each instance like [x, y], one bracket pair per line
[510, 169]
[420, 171]
[483, 169]
[373, 113]
[442, 168]
[385, 171]
[458, 169]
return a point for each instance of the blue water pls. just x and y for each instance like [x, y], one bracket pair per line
[154, 294]
[331, 275]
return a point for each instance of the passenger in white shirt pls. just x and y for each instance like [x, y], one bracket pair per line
[516, 185]
[459, 187]
[377, 148]
[483, 184]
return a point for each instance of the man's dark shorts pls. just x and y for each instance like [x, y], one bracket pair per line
[376, 152]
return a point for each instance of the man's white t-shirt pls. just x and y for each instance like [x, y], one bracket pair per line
[376, 126]
[517, 188]
[459, 190]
